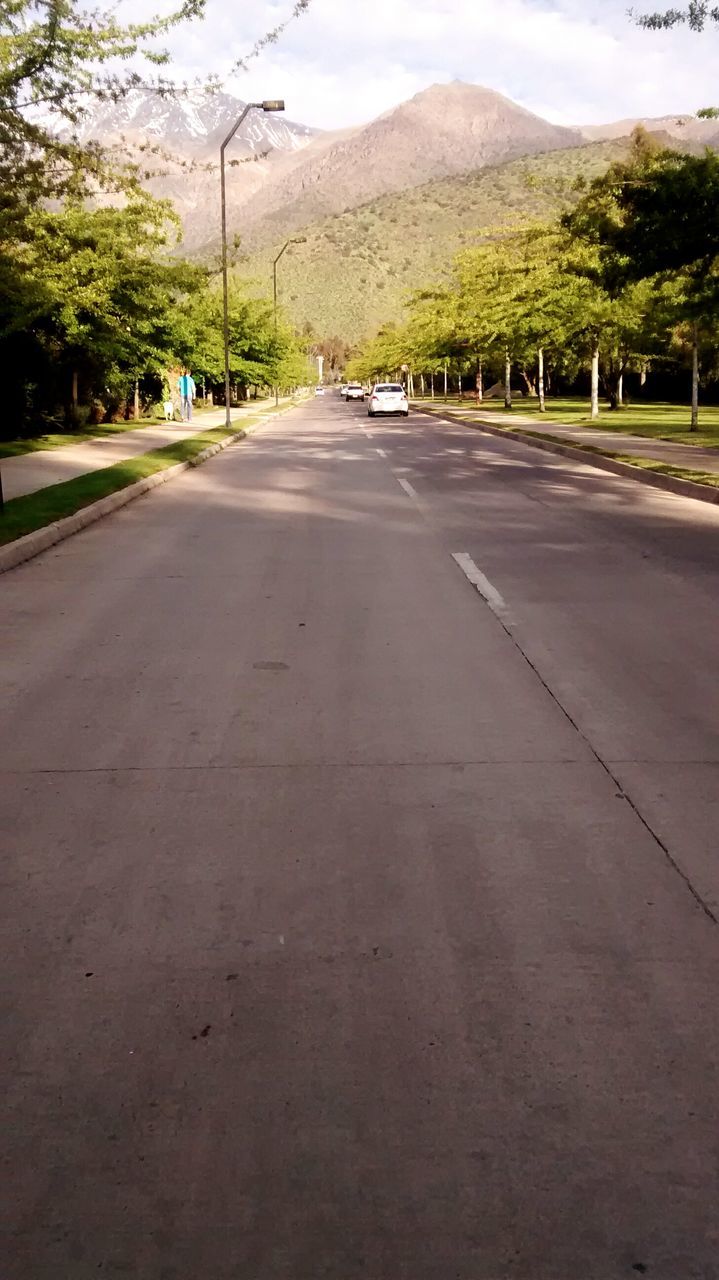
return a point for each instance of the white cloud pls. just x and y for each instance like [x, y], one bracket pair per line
[347, 60]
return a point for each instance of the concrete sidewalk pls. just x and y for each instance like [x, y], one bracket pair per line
[676, 455]
[32, 471]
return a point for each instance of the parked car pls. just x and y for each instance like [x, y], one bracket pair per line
[354, 391]
[343, 389]
[319, 391]
[387, 397]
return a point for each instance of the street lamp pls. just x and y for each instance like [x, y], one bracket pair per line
[270, 104]
[286, 245]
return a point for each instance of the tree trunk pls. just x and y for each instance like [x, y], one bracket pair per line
[695, 379]
[460, 386]
[479, 381]
[431, 384]
[445, 380]
[527, 380]
[136, 413]
[595, 382]
[74, 390]
[642, 375]
[421, 384]
[540, 378]
[507, 380]
[620, 390]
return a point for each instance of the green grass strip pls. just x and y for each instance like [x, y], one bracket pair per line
[647, 464]
[655, 421]
[35, 510]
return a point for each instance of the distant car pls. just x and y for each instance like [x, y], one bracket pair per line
[354, 391]
[387, 397]
[319, 391]
[343, 389]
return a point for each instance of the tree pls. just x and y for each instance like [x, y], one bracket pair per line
[94, 302]
[55, 58]
[698, 15]
[86, 294]
[655, 218]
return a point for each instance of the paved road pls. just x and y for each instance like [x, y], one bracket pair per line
[676, 455]
[29, 472]
[356, 928]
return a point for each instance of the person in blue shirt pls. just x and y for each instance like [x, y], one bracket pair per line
[187, 390]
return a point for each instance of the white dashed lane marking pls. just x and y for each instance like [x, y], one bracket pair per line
[488, 592]
[409, 490]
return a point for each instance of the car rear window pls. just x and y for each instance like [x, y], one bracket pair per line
[389, 386]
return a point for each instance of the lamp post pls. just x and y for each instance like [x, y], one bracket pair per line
[286, 245]
[270, 104]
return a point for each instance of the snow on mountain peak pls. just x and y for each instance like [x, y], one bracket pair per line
[196, 119]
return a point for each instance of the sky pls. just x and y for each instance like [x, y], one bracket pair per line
[345, 61]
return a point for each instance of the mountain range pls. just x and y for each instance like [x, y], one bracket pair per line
[392, 198]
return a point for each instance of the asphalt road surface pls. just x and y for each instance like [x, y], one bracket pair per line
[360, 922]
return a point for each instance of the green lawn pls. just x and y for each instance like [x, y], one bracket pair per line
[658, 421]
[647, 464]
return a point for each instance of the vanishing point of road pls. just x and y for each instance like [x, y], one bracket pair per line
[360, 803]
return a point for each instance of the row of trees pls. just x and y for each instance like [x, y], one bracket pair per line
[96, 308]
[628, 279]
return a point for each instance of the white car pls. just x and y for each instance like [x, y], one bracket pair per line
[387, 397]
[319, 391]
[353, 391]
[343, 389]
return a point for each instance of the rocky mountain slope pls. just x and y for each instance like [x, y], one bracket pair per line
[176, 141]
[684, 129]
[353, 270]
[446, 129]
[283, 177]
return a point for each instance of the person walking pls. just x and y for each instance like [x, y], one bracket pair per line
[186, 387]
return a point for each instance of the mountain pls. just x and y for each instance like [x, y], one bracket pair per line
[380, 204]
[176, 143]
[686, 129]
[444, 130]
[190, 121]
[352, 270]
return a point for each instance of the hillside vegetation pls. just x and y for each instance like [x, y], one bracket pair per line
[355, 269]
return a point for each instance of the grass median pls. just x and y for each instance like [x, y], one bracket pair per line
[710, 478]
[36, 510]
[655, 421]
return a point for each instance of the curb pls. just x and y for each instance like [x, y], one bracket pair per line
[655, 479]
[22, 549]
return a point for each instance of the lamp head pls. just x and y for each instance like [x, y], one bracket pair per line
[273, 104]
